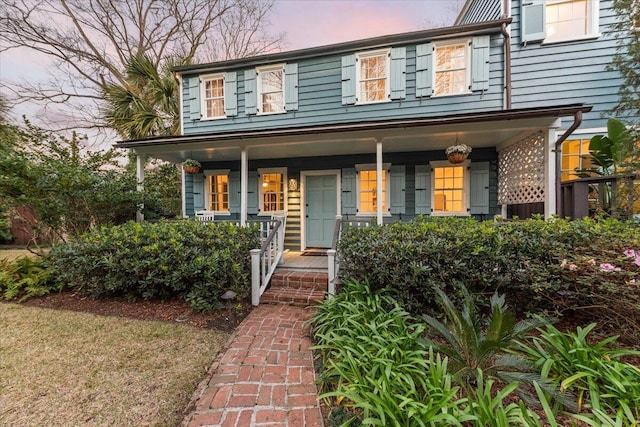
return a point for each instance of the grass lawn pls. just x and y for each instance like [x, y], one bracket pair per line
[62, 368]
[11, 254]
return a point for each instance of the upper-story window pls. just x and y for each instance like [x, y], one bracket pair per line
[451, 68]
[373, 76]
[567, 19]
[271, 89]
[559, 20]
[213, 96]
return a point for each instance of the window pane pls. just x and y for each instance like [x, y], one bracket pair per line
[451, 74]
[575, 155]
[272, 102]
[214, 97]
[448, 195]
[273, 192]
[271, 91]
[219, 193]
[372, 81]
[368, 195]
[271, 81]
[566, 19]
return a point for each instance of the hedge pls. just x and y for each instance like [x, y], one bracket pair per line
[554, 265]
[189, 259]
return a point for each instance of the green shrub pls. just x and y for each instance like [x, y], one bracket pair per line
[24, 278]
[555, 265]
[194, 260]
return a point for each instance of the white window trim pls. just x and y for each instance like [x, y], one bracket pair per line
[266, 69]
[373, 167]
[467, 44]
[387, 86]
[283, 171]
[593, 25]
[466, 189]
[203, 101]
[215, 172]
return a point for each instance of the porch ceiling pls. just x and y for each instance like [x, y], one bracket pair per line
[343, 140]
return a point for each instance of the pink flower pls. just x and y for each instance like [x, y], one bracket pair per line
[632, 282]
[573, 267]
[607, 267]
[637, 260]
[591, 262]
[630, 253]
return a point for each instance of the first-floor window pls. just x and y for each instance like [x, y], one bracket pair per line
[368, 190]
[449, 189]
[218, 192]
[272, 190]
[575, 155]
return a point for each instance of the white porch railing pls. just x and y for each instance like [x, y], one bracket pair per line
[265, 260]
[332, 254]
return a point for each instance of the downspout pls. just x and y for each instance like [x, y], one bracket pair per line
[507, 66]
[577, 121]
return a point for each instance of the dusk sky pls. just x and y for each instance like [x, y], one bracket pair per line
[318, 22]
[306, 23]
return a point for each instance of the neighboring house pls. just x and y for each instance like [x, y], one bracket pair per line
[359, 129]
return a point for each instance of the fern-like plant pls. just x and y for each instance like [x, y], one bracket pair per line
[474, 344]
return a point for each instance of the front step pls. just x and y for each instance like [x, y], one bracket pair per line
[296, 287]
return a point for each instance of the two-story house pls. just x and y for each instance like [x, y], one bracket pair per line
[359, 129]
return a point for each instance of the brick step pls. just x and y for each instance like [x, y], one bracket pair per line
[291, 296]
[299, 280]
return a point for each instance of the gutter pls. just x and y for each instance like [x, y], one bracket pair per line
[577, 121]
[507, 65]
[561, 111]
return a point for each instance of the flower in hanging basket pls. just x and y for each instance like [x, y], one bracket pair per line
[458, 149]
[457, 153]
[191, 166]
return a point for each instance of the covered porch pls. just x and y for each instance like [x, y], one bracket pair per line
[518, 145]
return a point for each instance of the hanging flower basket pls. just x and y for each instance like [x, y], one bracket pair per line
[457, 153]
[191, 166]
[457, 158]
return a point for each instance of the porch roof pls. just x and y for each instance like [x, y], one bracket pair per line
[485, 129]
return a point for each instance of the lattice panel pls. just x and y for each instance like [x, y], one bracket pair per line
[521, 171]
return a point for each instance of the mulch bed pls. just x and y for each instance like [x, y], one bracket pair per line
[175, 311]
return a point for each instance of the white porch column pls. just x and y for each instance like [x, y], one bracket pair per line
[379, 180]
[184, 193]
[140, 184]
[244, 186]
[550, 177]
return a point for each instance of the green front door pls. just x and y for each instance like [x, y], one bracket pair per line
[320, 210]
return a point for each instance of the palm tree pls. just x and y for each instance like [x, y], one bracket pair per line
[147, 105]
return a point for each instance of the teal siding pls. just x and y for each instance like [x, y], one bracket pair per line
[320, 97]
[481, 11]
[567, 72]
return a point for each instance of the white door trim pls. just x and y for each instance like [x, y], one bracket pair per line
[303, 189]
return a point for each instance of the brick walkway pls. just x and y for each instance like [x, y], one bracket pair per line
[265, 376]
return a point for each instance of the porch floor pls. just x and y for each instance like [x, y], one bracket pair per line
[295, 260]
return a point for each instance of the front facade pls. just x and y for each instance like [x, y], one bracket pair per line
[360, 129]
